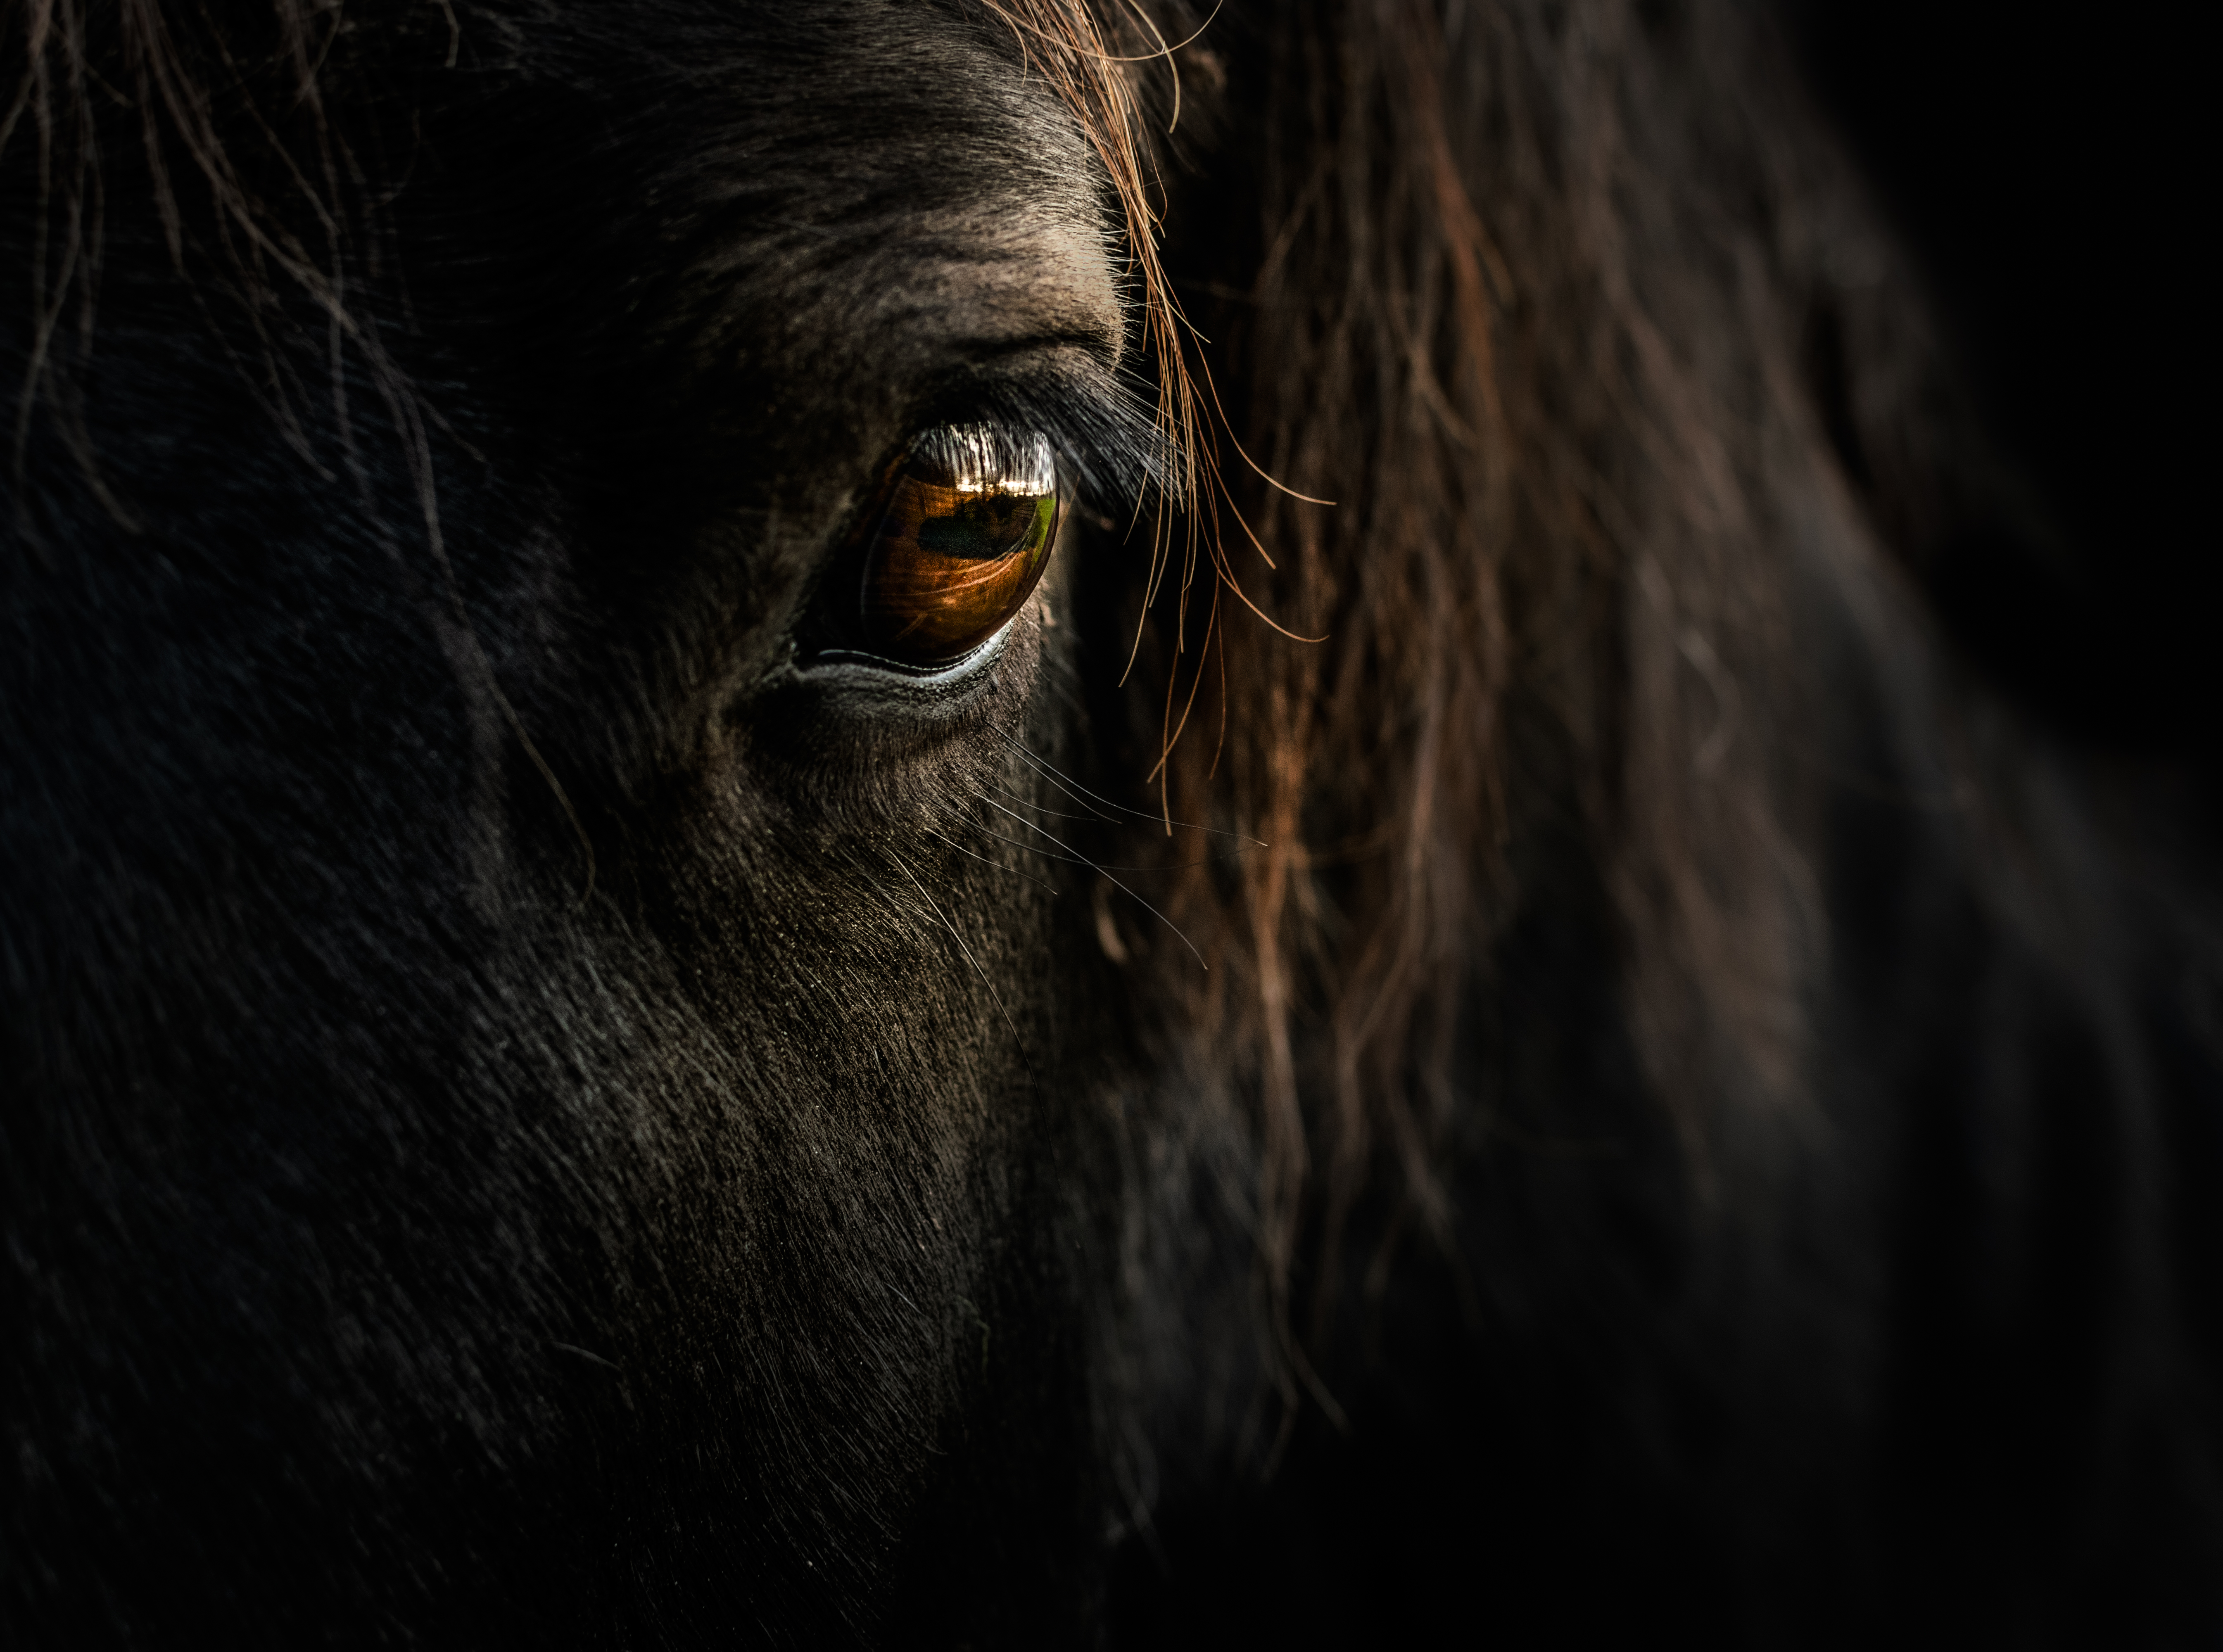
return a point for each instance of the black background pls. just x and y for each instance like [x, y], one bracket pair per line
[2050, 171]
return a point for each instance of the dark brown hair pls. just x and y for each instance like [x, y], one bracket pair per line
[1528, 292]
[1523, 289]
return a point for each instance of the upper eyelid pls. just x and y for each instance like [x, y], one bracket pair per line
[1106, 442]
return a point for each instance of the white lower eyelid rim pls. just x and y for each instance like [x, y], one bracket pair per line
[847, 660]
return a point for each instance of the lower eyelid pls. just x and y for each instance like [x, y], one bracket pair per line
[881, 675]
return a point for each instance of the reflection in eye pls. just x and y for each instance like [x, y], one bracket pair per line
[965, 532]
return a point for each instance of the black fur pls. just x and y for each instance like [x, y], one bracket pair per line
[534, 1114]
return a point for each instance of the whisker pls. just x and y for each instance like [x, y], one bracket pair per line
[1070, 860]
[984, 861]
[1172, 866]
[1085, 861]
[1078, 860]
[903, 914]
[1057, 779]
[1107, 866]
[904, 866]
[1054, 814]
[1071, 787]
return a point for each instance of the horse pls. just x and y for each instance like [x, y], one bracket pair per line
[1021, 822]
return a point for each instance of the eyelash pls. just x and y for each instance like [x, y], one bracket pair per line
[1109, 452]
[931, 573]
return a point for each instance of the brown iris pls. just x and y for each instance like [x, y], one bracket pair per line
[963, 533]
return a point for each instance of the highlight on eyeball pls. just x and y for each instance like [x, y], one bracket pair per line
[958, 542]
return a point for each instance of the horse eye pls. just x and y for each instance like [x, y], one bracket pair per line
[961, 535]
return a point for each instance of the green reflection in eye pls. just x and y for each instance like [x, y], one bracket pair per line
[962, 536]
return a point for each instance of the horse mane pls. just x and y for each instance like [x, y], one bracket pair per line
[1561, 307]
[1643, 1038]
[1536, 308]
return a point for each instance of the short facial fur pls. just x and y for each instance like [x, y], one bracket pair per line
[544, 1106]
